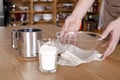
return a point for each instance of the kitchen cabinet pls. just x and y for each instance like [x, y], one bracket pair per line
[63, 10]
[44, 11]
[19, 12]
[23, 12]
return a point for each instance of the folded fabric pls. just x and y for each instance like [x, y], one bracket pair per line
[73, 56]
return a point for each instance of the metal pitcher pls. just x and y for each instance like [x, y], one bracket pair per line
[25, 40]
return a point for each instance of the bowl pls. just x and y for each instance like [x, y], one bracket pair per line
[35, 0]
[39, 8]
[82, 42]
[37, 17]
[47, 17]
[49, 0]
[43, 0]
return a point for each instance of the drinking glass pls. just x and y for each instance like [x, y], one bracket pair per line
[47, 55]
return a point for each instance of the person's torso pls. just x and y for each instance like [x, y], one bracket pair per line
[115, 3]
[113, 7]
[111, 11]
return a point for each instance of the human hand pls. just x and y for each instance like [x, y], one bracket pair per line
[72, 24]
[113, 29]
[70, 27]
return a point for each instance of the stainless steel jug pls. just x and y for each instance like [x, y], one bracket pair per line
[25, 40]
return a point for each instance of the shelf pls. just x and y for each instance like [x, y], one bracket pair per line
[65, 11]
[12, 12]
[43, 21]
[48, 7]
[45, 11]
[18, 22]
[43, 2]
[39, 3]
[60, 24]
[60, 21]
[17, 1]
[92, 22]
[65, 1]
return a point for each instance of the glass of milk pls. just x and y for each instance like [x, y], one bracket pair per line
[47, 55]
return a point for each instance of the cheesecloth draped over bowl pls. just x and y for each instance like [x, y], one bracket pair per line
[78, 47]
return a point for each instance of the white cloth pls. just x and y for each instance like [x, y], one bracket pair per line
[74, 56]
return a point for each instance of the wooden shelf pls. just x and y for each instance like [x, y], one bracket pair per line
[13, 12]
[65, 11]
[18, 1]
[43, 2]
[66, 1]
[31, 11]
[61, 21]
[18, 22]
[43, 21]
[92, 22]
[45, 11]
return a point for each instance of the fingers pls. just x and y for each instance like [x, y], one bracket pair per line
[111, 43]
[66, 25]
[68, 37]
[71, 24]
[113, 30]
[110, 48]
[105, 44]
[65, 38]
[107, 31]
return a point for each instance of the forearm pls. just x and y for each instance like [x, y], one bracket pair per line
[81, 8]
[117, 21]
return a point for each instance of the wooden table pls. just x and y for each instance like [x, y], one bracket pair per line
[13, 68]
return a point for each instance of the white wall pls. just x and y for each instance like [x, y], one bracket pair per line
[1, 6]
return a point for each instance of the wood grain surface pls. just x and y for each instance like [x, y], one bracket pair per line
[13, 68]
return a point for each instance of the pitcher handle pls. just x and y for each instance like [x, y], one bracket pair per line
[14, 39]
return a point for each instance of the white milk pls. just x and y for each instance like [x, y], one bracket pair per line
[48, 57]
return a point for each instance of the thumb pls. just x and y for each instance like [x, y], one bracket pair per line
[106, 32]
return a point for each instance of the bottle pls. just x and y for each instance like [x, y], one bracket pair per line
[95, 6]
[88, 27]
[91, 17]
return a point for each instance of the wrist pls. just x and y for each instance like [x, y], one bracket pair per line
[118, 20]
[76, 16]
